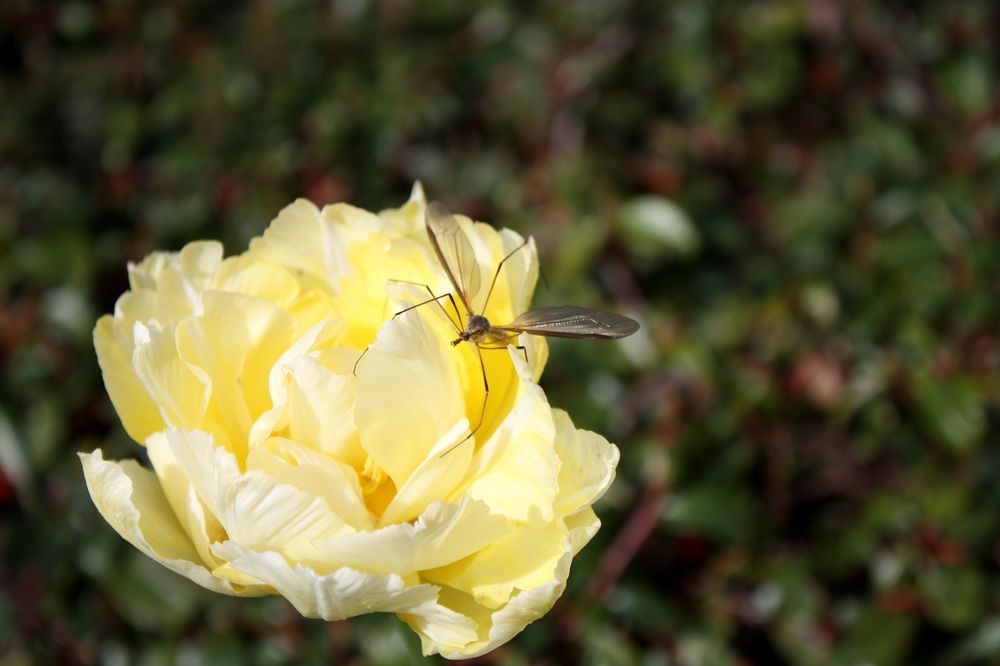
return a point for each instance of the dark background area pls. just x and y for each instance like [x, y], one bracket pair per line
[798, 200]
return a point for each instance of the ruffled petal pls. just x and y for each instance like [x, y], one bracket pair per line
[347, 592]
[198, 522]
[408, 219]
[445, 533]
[258, 278]
[523, 560]
[131, 500]
[496, 627]
[315, 473]
[254, 508]
[588, 465]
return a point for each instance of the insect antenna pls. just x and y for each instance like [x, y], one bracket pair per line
[432, 299]
[496, 273]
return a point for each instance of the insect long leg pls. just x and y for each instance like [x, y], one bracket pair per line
[496, 274]
[434, 299]
[522, 349]
[486, 388]
[482, 412]
[458, 316]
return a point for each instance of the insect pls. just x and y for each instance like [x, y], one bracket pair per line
[455, 253]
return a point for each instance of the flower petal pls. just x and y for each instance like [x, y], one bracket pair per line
[236, 341]
[315, 473]
[445, 533]
[258, 278]
[408, 219]
[254, 508]
[407, 396]
[138, 412]
[186, 273]
[321, 410]
[300, 240]
[588, 465]
[499, 626]
[524, 559]
[434, 477]
[516, 470]
[131, 500]
[198, 522]
[346, 593]
[180, 391]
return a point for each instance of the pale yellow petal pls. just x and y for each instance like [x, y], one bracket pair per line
[377, 265]
[258, 278]
[315, 473]
[321, 410]
[445, 533]
[516, 470]
[199, 263]
[263, 514]
[180, 391]
[188, 271]
[210, 469]
[352, 223]
[505, 623]
[235, 342]
[319, 336]
[346, 593]
[301, 241]
[499, 626]
[407, 396]
[588, 465]
[433, 478]
[407, 220]
[166, 286]
[524, 559]
[254, 508]
[198, 523]
[131, 500]
[516, 281]
[582, 526]
[137, 411]
[276, 418]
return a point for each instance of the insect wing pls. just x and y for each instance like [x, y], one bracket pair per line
[568, 321]
[454, 251]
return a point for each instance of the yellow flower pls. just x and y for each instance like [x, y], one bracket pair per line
[277, 469]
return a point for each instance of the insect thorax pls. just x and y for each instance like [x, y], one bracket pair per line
[476, 328]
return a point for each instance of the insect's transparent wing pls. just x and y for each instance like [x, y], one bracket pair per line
[568, 321]
[455, 253]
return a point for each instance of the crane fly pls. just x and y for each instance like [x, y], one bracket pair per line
[457, 257]
[455, 254]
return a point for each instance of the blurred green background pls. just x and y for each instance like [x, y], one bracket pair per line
[798, 200]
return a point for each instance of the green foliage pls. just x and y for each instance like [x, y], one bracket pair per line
[798, 200]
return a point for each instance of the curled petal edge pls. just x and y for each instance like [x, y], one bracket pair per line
[124, 492]
[347, 592]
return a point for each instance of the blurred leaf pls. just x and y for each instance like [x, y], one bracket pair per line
[951, 410]
[953, 595]
[720, 512]
[653, 228]
[876, 638]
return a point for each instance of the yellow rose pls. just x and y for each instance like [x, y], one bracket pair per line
[277, 469]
